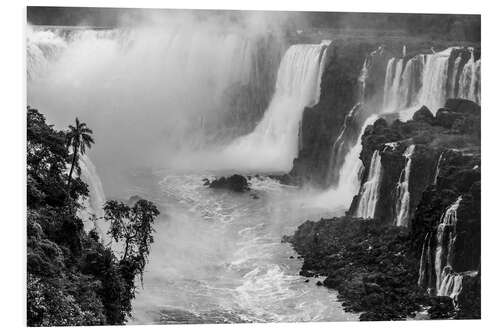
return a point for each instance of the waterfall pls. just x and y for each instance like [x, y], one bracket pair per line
[411, 83]
[392, 85]
[438, 167]
[435, 76]
[197, 84]
[423, 81]
[402, 86]
[403, 192]
[453, 91]
[92, 211]
[350, 173]
[445, 242]
[273, 144]
[369, 192]
[424, 272]
[451, 284]
[342, 144]
[338, 146]
[470, 80]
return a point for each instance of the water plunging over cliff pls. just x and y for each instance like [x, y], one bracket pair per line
[92, 211]
[470, 80]
[438, 168]
[403, 191]
[370, 190]
[435, 75]
[445, 239]
[428, 80]
[192, 85]
[273, 144]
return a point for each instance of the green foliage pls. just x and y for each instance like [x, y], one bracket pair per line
[72, 278]
[133, 227]
[79, 139]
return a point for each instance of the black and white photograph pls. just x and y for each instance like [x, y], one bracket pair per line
[234, 166]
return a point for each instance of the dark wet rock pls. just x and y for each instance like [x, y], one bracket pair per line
[291, 257]
[319, 283]
[469, 300]
[424, 114]
[236, 183]
[441, 308]
[306, 280]
[456, 128]
[339, 94]
[368, 263]
[306, 273]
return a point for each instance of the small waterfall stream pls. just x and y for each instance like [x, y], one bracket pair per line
[445, 239]
[92, 212]
[403, 191]
[370, 190]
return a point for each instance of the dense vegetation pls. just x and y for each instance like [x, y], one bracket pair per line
[73, 279]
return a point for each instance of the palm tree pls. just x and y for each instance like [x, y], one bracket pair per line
[79, 138]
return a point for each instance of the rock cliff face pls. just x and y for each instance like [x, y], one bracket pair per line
[340, 92]
[422, 246]
[352, 88]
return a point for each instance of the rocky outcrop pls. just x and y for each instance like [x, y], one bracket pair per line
[368, 263]
[236, 183]
[389, 272]
[456, 127]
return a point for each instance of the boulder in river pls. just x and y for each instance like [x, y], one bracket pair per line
[236, 183]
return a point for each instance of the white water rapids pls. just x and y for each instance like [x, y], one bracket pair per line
[217, 257]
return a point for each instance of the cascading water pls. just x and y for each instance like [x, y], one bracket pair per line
[338, 147]
[445, 240]
[370, 190]
[92, 211]
[393, 81]
[435, 75]
[180, 81]
[342, 144]
[455, 75]
[470, 80]
[273, 144]
[426, 262]
[425, 79]
[403, 192]
[438, 167]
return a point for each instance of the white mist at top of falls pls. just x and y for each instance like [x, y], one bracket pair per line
[273, 144]
[403, 190]
[154, 88]
[370, 190]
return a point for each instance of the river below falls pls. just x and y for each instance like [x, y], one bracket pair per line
[218, 257]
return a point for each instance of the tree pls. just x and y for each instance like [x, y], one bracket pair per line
[79, 138]
[132, 226]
